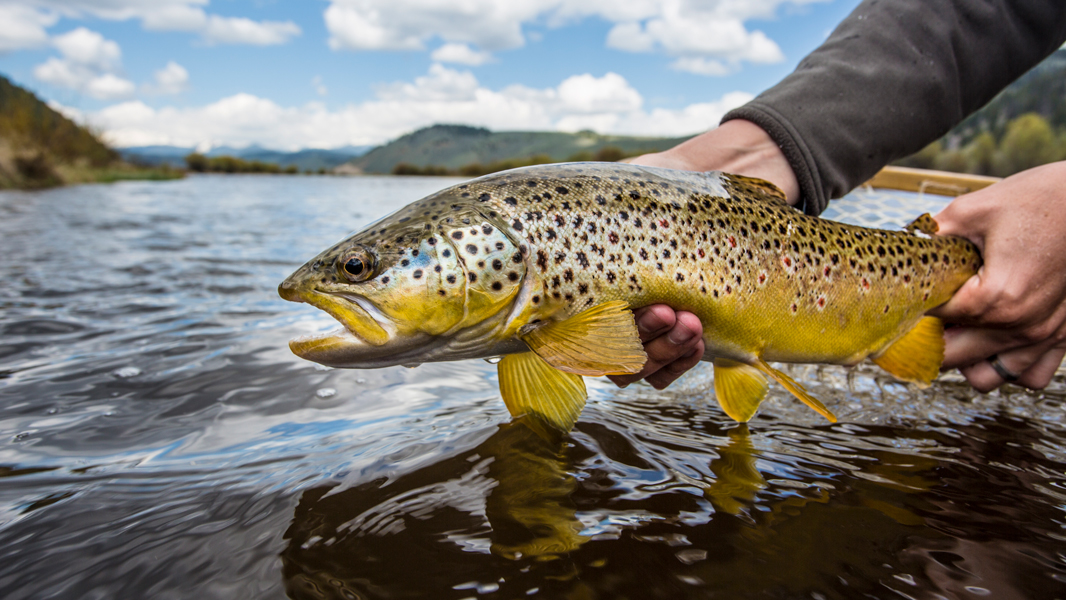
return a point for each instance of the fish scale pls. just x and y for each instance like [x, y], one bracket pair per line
[536, 257]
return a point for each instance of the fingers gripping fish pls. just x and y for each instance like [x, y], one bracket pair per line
[542, 265]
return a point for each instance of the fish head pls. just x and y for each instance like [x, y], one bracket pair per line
[434, 281]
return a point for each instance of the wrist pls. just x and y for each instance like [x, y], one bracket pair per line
[740, 147]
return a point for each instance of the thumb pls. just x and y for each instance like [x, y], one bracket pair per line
[968, 303]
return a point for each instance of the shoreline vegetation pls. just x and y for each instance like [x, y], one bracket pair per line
[40, 148]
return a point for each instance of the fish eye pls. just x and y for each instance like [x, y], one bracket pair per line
[356, 266]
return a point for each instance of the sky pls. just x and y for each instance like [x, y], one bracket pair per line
[301, 74]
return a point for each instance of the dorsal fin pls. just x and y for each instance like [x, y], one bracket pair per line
[765, 188]
[923, 224]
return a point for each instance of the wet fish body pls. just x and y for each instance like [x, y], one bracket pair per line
[543, 264]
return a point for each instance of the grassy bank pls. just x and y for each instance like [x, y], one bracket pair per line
[41, 148]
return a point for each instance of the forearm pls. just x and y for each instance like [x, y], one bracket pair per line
[893, 77]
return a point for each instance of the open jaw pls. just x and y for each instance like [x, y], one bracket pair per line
[360, 335]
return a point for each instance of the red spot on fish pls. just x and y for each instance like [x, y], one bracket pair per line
[612, 237]
[762, 278]
[906, 279]
[794, 308]
[821, 302]
[701, 252]
[865, 284]
[787, 261]
[732, 242]
[827, 271]
[664, 223]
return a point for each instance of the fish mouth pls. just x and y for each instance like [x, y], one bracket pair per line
[360, 330]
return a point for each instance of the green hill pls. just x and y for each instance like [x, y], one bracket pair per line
[453, 147]
[40, 147]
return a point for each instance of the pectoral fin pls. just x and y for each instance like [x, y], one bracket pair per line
[602, 340]
[530, 386]
[797, 390]
[739, 387]
[917, 355]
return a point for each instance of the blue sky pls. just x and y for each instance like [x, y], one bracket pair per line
[329, 73]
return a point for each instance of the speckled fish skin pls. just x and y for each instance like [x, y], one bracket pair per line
[460, 273]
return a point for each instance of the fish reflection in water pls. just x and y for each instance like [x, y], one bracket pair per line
[606, 513]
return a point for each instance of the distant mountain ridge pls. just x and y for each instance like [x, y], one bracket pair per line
[455, 146]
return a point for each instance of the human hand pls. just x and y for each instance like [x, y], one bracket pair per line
[673, 341]
[1015, 306]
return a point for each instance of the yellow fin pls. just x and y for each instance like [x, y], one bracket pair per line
[797, 390]
[740, 388]
[917, 355]
[924, 224]
[602, 340]
[771, 191]
[530, 386]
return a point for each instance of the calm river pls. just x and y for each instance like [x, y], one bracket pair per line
[158, 440]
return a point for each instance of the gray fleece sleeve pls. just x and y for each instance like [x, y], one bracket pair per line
[894, 76]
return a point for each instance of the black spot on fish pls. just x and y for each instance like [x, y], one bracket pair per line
[451, 279]
[536, 299]
[471, 249]
[484, 197]
[511, 200]
[497, 286]
[404, 262]
[472, 277]
[457, 235]
[446, 253]
[562, 190]
[417, 274]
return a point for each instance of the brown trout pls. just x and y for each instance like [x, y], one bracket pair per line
[542, 266]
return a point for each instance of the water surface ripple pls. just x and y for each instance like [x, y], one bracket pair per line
[158, 440]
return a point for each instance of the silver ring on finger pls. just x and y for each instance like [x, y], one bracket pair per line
[1007, 375]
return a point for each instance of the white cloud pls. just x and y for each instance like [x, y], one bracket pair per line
[696, 35]
[712, 30]
[320, 88]
[607, 104]
[23, 21]
[108, 87]
[234, 30]
[171, 79]
[701, 66]
[23, 27]
[84, 47]
[461, 54]
[89, 63]
[409, 24]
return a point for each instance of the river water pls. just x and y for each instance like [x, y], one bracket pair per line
[158, 440]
